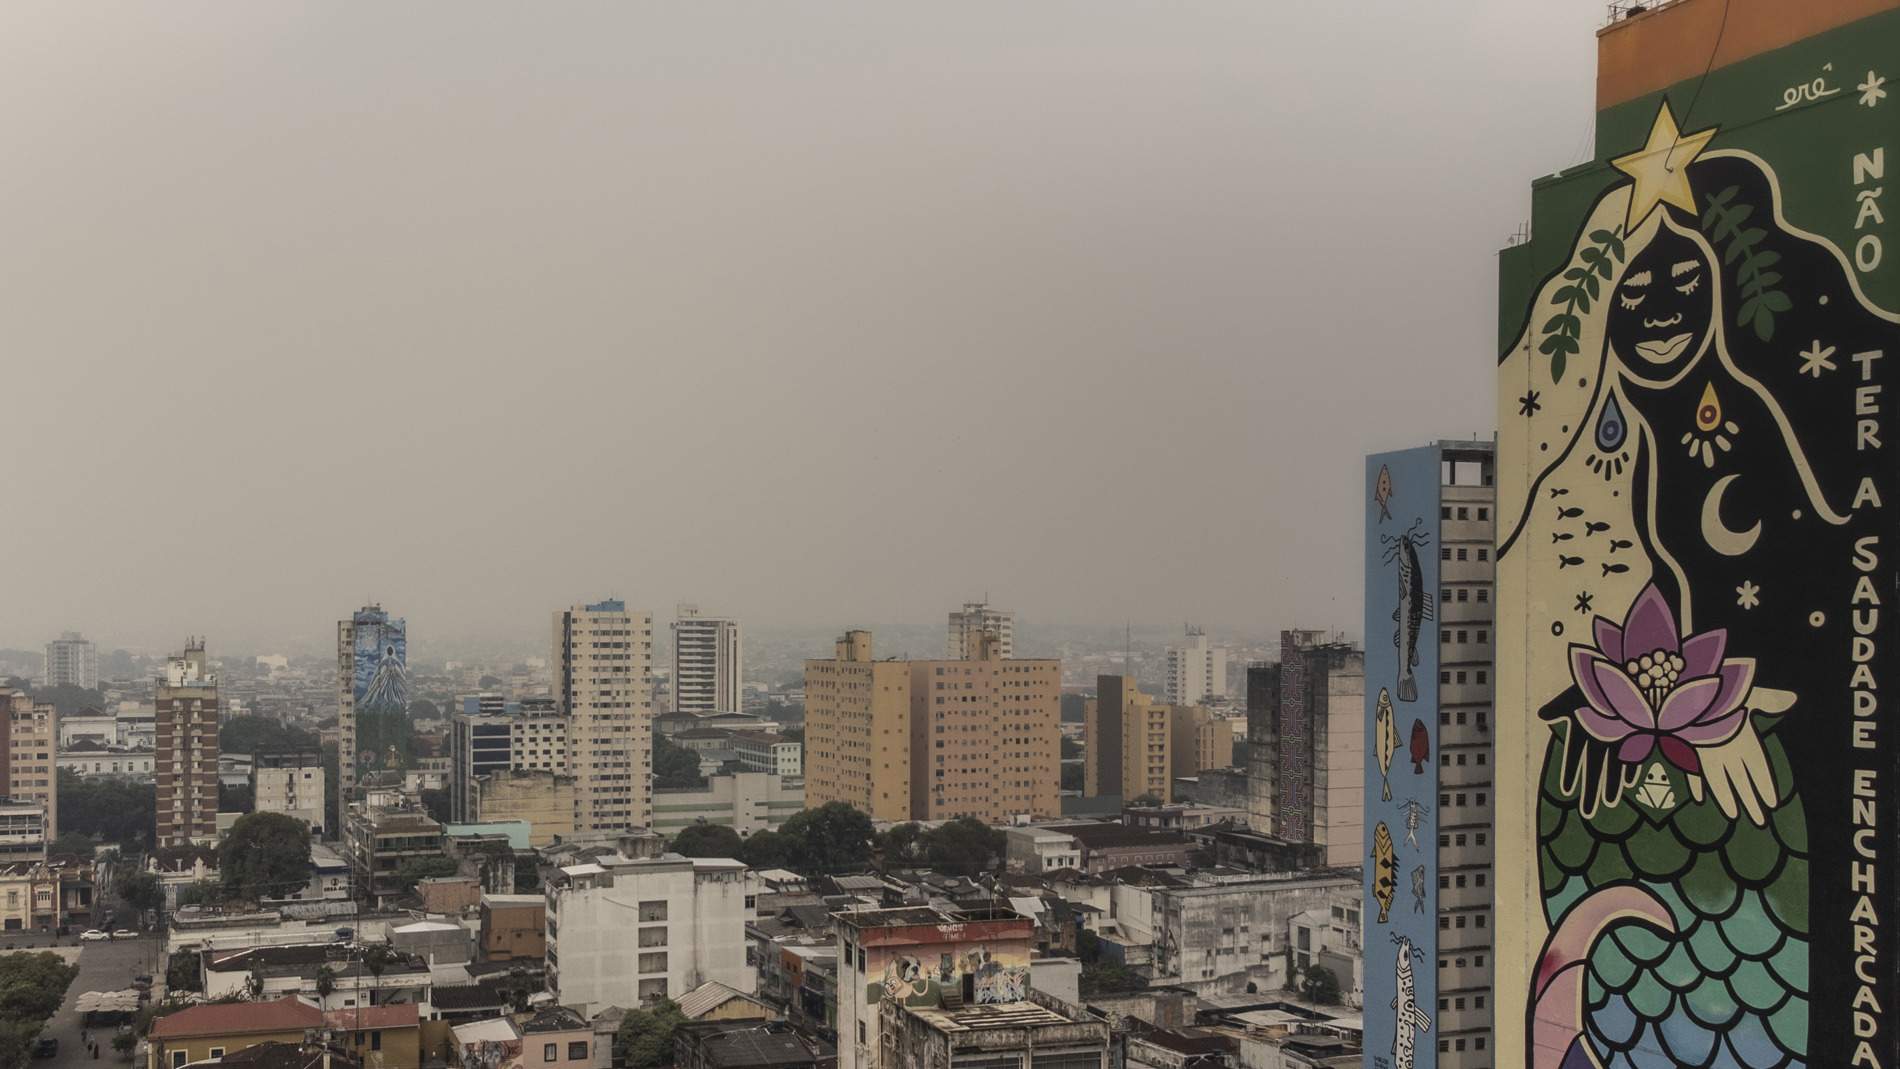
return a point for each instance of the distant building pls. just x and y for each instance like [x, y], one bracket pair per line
[975, 620]
[513, 927]
[762, 752]
[291, 784]
[23, 831]
[378, 838]
[72, 661]
[1107, 847]
[631, 932]
[205, 1033]
[185, 762]
[372, 656]
[28, 757]
[494, 736]
[1036, 1029]
[708, 655]
[1308, 758]
[933, 740]
[602, 659]
[1127, 737]
[743, 801]
[543, 800]
[1196, 671]
[1035, 850]
[1218, 938]
[1196, 740]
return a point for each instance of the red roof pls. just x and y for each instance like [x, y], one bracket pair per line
[287, 1014]
[401, 1015]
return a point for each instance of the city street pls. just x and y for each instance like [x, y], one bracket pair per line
[107, 966]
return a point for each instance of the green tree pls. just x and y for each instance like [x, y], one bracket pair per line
[236, 799]
[72, 842]
[796, 735]
[769, 850]
[32, 985]
[425, 868]
[1145, 801]
[183, 972]
[674, 766]
[708, 840]
[114, 811]
[123, 1043]
[645, 1038]
[832, 838]
[1108, 978]
[436, 804]
[142, 892]
[326, 981]
[424, 709]
[264, 854]
[964, 847]
[70, 700]
[201, 893]
[258, 734]
[898, 846]
[1320, 985]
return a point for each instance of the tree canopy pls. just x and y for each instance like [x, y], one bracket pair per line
[770, 850]
[113, 810]
[142, 892]
[260, 734]
[645, 1038]
[673, 765]
[963, 847]
[424, 868]
[31, 987]
[834, 837]
[70, 700]
[264, 854]
[708, 840]
[1320, 985]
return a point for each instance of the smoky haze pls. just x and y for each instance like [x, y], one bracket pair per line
[814, 313]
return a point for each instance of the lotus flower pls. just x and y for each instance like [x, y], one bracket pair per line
[1649, 688]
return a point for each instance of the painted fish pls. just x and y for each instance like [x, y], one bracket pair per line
[1418, 889]
[1620, 543]
[1382, 492]
[1385, 726]
[1414, 817]
[1614, 569]
[1557, 492]
[1568, 562]
[1591, 527]
[1421, 746]
[1568, 513]
[1385, 870]
[1407, 1018]
[1560, 536]
[1415, 607]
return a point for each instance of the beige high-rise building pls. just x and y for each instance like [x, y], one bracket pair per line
[603, 661]
[933, 740]
[28, 743]
[185, 759]
[1128, 737]
[1197, 740]
[976, 619]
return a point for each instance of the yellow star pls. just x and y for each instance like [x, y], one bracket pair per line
[1661, 168]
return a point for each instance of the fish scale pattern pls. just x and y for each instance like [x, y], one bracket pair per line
[1728, 988]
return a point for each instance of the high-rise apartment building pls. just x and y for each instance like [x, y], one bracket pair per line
[1428, 760]
[975, 620]
[372, 661]
[1197, 740]
[185, 760]
[1196, 671]
[933, 740]
[291, 784]
[708, 652]
[1128, 740]
[1306, 756]
[72, 660]
[495, 736]
[28, 748]
[603, 662]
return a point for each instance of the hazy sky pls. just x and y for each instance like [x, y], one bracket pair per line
[814, 313]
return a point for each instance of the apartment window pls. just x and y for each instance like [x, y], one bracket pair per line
[217, 1052]
[376, 1040]
[653, 911]
[1461, 553]
[1484, 513]
[1444, 677]
[653, 962]
[1444, 512]
[652, 990]
[1483, 553]
[1483, 595]
[550, 1052]
[1484, 636]
[1464, 513]
[577, 1051]
[1462, 592]
[1444, 637]
[1444, 554]
[653, 937]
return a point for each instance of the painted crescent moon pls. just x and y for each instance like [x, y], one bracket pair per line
[1721, 539]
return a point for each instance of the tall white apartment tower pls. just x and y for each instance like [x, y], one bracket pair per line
[72, 660]
[976, 618]
[706, 656]
[603, 663]
[1196, 670]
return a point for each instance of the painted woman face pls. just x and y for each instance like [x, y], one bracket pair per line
[1659, 314]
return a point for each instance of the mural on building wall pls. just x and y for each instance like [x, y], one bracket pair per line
[380, 684]
[1402, 586]
[1695, 556]
[919, 978]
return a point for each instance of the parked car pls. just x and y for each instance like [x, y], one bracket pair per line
[124, 933]
[344, 935]
[93, 935]
[141, 981]
[47, 1047]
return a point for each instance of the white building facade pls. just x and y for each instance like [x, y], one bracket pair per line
[603, 661]
[628, 933]
[1197, 671]
[971, 622]
[707, 655]
[291, 784]
[72, 660]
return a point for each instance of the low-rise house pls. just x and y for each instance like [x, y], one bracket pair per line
[356, 975]
[386, 1037]
[714, 1001]
[378, 838]
[449, 895]
[1113, 846]
[494, 1043]
[746, 1045]
[434, 941]
[214, 1030]
[1036, 1029]
[557, 1038]
[514, 927]
[1181, 817]
[1038, 850]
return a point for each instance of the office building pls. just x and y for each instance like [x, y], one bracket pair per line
[625, 932]
[372, 657]
[977, 619]
[761, 751]
[23, 830]
[933, 740]
[1306, 759]
[1698, 471]
[1197, 739]
[1127, 737]
[496, 736]
[291, 784]
[185, 761]
[743, 801]
[28, 754]
[1427, 710]
[708, 655]
[602, 660]
[72, 661]
[1196, 671]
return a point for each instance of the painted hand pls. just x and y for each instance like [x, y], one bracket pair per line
[1736, 772]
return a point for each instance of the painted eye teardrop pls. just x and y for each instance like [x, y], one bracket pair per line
[1611, 429]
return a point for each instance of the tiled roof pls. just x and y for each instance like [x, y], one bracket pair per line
[287, 1014]
[398, 1015]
